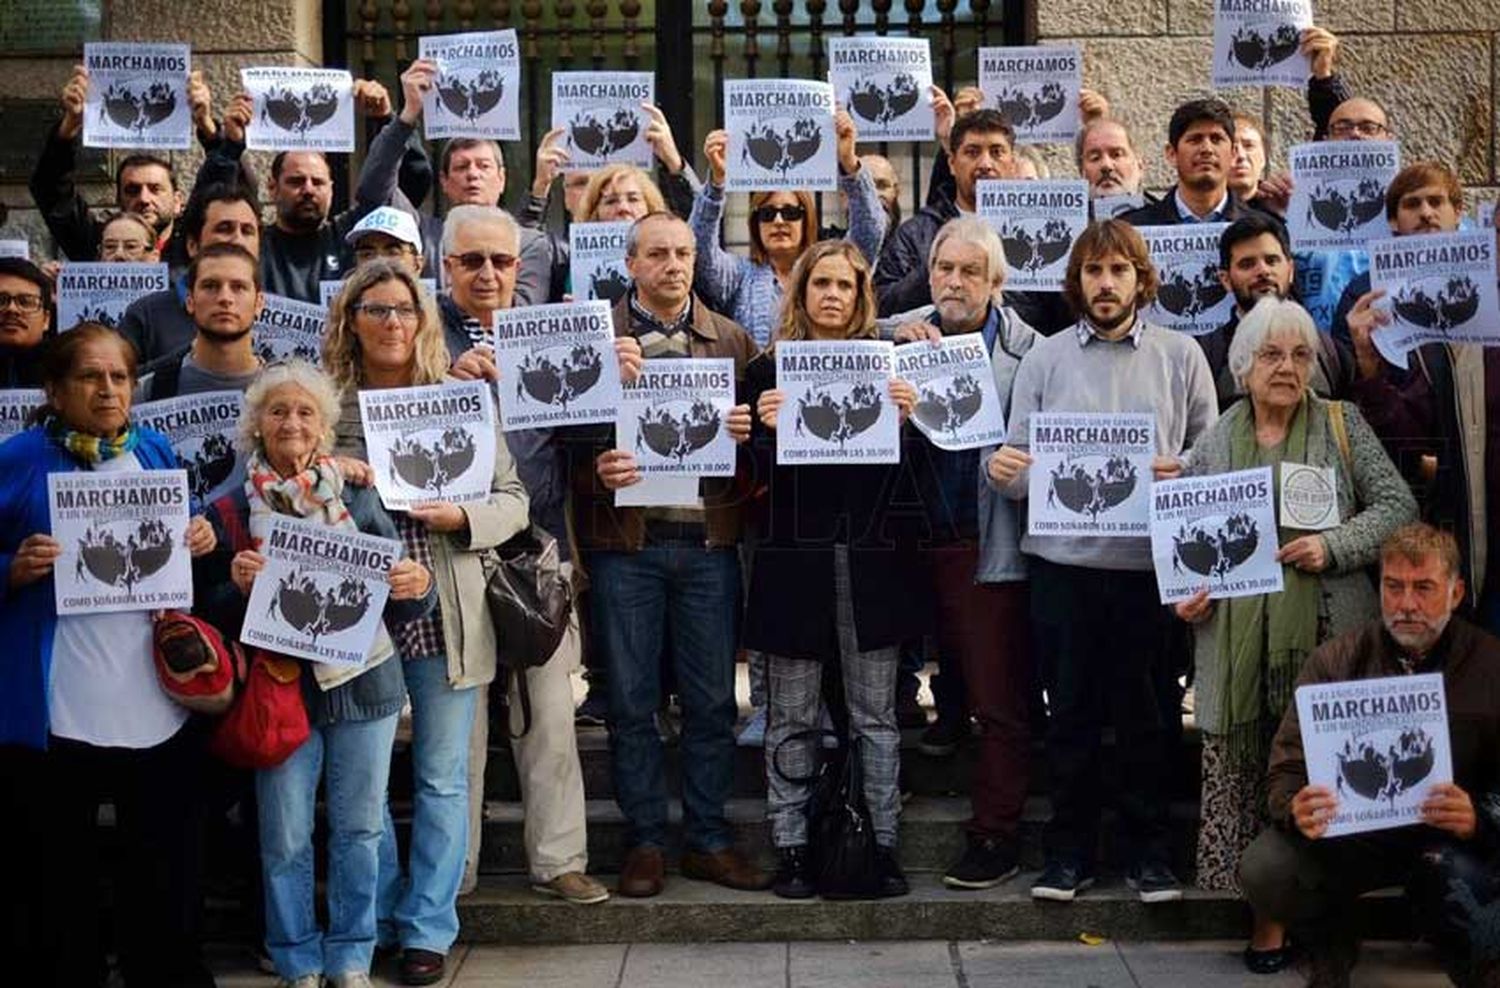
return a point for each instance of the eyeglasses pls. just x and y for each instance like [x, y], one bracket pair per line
[475, 260]
[123, 248]
[381, 312]
[390, 250]
[1272, 357]
[791, 214]
[1364, 128]
[25, 303]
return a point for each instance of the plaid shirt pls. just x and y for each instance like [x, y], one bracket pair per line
[422, 638]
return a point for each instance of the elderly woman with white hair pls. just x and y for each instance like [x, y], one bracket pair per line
[1248, 650]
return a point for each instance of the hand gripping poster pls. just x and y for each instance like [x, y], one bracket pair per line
[557, 365]
[298, 109]
[674, 418]
[781, 135]
[1439, 288]
[1258, 42]
[477, 89]
[1338, 193]
[95, 291]
[137, 96]
[1216, 532]
[201, 429]
[433, 443]
[884, 83]
[1035, 88]
[837, 404]
[597, 260]
[124, 540]
[602, 115]
[1190, 298]
[322, 592]
[289, 330]
[16, 406]
[1378, 745]
[1037, 223]
[1091, 473]
[958, 405]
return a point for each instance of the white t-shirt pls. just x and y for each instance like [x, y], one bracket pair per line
[104, 689]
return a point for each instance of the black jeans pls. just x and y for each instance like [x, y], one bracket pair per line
[1099, 638]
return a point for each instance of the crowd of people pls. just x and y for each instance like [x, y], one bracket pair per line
[822, 574]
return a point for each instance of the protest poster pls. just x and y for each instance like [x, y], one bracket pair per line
[124, 540]
[432, 443]
[328, 290]
[1217, 532]
[96, 291]
[1258, 42]
[884, 83]
[1378, 745]
[477, 89]
[16, 248]
[289, 330]
[16, 406]
[137, 96]
[1190, 298]
[1037, 222]
[557, 365]
[1091, 473]
[958, 405]
[1439, 288]
[663, 490]
[201, 428]
[1035, 88]
[1484, 216]
[837, 406]
[322, 592]
[596, 264]
[674, 418]
[1113, 207]
[603, 117]
[1338, 193]
[781, 135]
[1309, 497]
[298, 109]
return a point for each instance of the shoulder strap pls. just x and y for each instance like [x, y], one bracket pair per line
[1341, 433]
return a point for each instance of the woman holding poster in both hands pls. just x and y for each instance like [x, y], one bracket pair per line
[1248, 650]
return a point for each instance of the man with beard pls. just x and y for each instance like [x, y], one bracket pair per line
[26, 312]
[1296, 875]
[1107, 669]
[1201, 147]
[224, 299]
[1107, 160]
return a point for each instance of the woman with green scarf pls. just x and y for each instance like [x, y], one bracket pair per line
[1248, 650]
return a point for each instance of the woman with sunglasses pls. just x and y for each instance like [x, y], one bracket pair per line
[782, 226]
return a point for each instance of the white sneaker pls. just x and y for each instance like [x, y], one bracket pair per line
[351, 979]
[753, 734]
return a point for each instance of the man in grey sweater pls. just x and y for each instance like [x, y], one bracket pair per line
[1107, 669]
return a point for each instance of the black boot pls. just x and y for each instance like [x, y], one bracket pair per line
[892, 880]
[794, 874]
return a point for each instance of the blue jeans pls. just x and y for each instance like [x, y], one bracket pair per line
[421, 911]
[354, 760]
[637, 597]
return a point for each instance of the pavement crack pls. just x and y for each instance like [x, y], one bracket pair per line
[1126, 961]
[956, 961]
[624, 959]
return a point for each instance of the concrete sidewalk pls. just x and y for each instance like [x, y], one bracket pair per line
[912, 964]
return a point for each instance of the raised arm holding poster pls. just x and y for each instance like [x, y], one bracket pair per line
[432, 443]
[124, 540]
[837, 406]
[603, 117]
[674, 418]
[958, 405]
[477, 89]
[1035, 88]
[1091, 473]
[297, 109]
[1037, 222]
[1258, 43]
[1217, 532]
[557, 365]
[1338, 193]
[201, 428]
[781, 135]
[289, 330]
[884, 84]
[96, 291]
[597, 260]
[16, 406]
[1190, 298]
[1439, 287]
[137, 96]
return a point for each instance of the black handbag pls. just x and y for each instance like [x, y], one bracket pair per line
[840, 837]
[530, 604]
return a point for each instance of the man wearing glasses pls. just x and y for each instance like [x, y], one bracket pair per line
[25, 321]
[387, 233]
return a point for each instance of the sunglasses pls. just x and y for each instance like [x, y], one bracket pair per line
[791, 214]
[475, 260]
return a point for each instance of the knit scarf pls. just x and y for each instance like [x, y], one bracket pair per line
[1263, 639]
[89, 448]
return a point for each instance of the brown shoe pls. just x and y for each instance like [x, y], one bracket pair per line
[574, 887]
[728, 868]
[644, 873]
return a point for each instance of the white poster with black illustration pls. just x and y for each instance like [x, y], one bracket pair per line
[289, 330]
[433, 443]
[1338, 193]
[837, 405]
[1309, 497]
[1257, 42]
[1439, 288]
[322, 592]
[1112, 207]
[124, 540]
[16, 248]
[95, 291]
[884, 83]
[1379, 745]
[16, 406]
[602, 116]
[1190, 298]
[137, 96]
[674, 418]
[1216, 532]
[781, 135]
[1091, 473]
[596, 264]
[662, 490]
[557, 365]
[299, 109]
[329, 290]
[1037, 223]
[477, 89]
[201, 429]
[1035, 88]
[958, 405]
